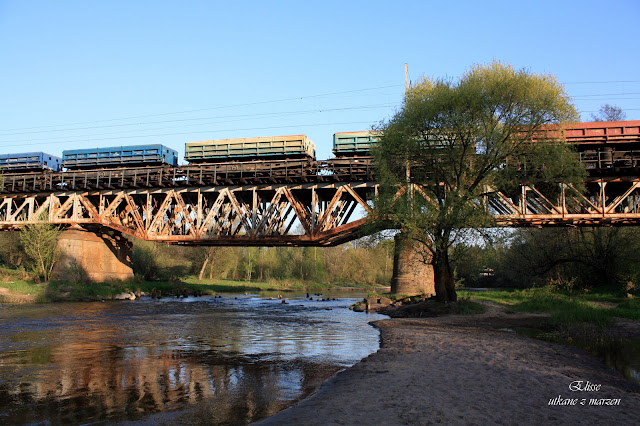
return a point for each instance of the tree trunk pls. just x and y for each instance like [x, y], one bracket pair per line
[211, 265]
[204, 267]
[208, 257]
[444, 283]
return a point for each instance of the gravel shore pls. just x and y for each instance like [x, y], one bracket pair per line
[469, 370]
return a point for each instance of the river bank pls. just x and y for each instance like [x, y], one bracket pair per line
[470, 370]
[15, 290]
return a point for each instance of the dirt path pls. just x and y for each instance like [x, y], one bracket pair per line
[468, 370]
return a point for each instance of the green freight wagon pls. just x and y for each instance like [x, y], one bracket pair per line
[353, 143]
[243, 149]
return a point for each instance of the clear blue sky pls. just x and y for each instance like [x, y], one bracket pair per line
[79, 74]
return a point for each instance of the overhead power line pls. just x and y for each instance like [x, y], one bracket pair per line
[56, 128]
[603, 82]
[89, 140]
[209, 109]
[606, 94]
[242, 116]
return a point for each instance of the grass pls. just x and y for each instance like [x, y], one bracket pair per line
[23, 291]
[269, 285]
[66, 290]
[627, 309]
[576, 318]
[566, 308]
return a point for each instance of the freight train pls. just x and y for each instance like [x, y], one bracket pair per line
[30, 161]
[121, 156]
[601, 146]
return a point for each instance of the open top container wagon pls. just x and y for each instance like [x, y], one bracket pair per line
[135, 155]
[347, 144]
[29, 161]
[243, 149]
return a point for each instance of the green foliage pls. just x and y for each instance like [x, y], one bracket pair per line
[277, 268]
[567, 308]
[454, 142]
[583, 257]
[627, 309]
[144, 262]
[61, 290]
[21, 291]
[564, 258]
[40, 244]
[466, 306]
[564, 308]
[11, 251]
[348, 264]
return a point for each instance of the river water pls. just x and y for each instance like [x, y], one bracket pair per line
[230, 360]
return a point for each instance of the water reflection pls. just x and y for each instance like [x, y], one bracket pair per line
[238, 360]
[622, 355]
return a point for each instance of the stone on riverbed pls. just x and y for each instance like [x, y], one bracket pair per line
[127, 295]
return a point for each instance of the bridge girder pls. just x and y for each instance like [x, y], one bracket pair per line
[316, 214]
[281, 214]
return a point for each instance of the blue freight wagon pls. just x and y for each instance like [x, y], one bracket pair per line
[29, 161]
[128, 156]
[353, 143]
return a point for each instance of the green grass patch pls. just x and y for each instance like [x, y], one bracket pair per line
[502, 297]
[229, 286]
[465, 306]
[630, 309]
[566, 308]
[66, 290]
[21, 291]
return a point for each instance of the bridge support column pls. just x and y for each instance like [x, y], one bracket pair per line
[97, 257]
[411, 274]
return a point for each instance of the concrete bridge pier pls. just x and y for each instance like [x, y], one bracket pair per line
[96, 256]
[412, 270]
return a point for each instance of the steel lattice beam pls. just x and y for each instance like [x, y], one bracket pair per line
[298, 214]
[303, 214]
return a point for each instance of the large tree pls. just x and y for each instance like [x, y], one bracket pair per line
[609, 113]
[40, 243]
[452, 143]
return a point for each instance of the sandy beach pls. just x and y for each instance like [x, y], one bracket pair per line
[469, 370]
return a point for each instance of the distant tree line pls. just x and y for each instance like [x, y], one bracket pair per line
[562, 257]
[359, 262]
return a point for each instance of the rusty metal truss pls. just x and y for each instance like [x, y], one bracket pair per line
[606, 202]
[280, 214]
[319, 214]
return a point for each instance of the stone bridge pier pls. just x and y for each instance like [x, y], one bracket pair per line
[97, 256]
[412, 269]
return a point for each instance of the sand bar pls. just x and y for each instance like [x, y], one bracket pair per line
[469, 370]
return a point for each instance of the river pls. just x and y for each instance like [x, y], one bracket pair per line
[230, 360]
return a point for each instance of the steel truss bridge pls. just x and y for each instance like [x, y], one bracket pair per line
[285, 204]
[304, 202]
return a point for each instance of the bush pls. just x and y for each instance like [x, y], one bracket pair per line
[144, 262]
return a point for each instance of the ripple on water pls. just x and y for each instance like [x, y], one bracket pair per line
[231, 360]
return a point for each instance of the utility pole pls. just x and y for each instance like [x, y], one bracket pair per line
[407, 166]
[406, 77]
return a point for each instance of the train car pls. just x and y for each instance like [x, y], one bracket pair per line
[348, 144]
[248, 149]
[29, 161]
[601, 144]
[127, 156]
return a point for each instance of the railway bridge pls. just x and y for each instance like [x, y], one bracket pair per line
[280, 203]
